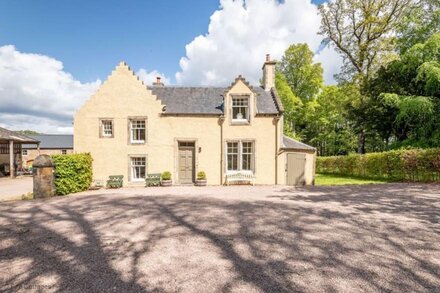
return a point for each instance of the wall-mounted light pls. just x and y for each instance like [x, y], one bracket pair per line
[200, 149]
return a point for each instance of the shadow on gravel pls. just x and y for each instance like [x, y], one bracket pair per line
[169, 243]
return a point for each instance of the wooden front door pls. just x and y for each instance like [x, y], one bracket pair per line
[296, 165]
[186, 163]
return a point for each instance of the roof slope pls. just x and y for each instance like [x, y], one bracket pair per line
[6, 134]
[52, 141]
[290, 143]
[208, 100]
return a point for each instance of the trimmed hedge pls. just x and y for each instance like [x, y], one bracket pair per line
[73, 173]
[401, 165]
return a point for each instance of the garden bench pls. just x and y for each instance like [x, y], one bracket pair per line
[240, 177]
[153, 179]
[115, 181]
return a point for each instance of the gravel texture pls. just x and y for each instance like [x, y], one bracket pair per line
[13, 189]
[365, 238]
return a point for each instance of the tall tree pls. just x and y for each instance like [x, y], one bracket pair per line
[419, 25]
[291, 103]
[362, 31]
[406, 96]
[304, 77]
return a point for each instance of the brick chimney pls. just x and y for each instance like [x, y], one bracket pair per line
[268, 73]
[158, 82]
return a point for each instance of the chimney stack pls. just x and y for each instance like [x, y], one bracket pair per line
[268, 73]
[158, 82]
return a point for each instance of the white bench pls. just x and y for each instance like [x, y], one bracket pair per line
[240, 177]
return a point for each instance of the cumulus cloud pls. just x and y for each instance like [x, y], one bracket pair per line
[148, 77]
[36, 93]
[239, 35]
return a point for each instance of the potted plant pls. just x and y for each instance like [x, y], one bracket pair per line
[166, 179]
[201, 179]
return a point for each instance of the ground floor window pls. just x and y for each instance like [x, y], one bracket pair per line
[138, 168]
[240, 156]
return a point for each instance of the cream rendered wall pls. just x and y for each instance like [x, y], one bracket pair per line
[261, 130]
[123, 96]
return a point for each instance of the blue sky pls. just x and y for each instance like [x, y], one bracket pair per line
[55, 54]
[91, 37]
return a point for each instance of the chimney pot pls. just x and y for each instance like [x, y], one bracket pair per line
[158, 82]
[267, 57]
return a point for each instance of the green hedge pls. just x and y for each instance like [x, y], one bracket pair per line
[400, 165]
[73, 173]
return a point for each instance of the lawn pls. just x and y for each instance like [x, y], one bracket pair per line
[329, 179]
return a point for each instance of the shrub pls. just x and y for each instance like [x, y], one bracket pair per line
[166, 175]
[414, 165]
[73, 173]
[201, 175]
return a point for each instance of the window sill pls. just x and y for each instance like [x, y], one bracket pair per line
[240, 122]
[138, 142]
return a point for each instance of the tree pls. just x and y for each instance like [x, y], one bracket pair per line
[419, 25]
[291, 103]
[303, 76]
[405, 96]
[326, 123]
[362, 32]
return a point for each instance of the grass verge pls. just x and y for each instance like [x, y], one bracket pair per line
[329, 179]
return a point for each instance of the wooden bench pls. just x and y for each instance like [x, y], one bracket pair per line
[115, 181]
[152, 179]
[240, 177]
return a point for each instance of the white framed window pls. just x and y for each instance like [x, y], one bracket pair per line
[232, 156]
[24, 152]
[106, 128]
[138, 166]
[247, 155]
[64, 152]
[240, 156]
[137, 131]
[240, 109]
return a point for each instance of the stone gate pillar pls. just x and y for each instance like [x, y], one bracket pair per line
[44, 179]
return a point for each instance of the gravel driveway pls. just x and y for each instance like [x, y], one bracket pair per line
[13, 189]
[232, 239]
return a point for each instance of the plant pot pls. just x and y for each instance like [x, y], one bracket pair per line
[167, 182]
[201, 182]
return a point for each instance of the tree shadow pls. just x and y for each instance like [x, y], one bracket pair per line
[315, 242]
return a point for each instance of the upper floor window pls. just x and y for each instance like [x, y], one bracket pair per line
[64, 152]
[240, 109]
[137, 131]
[106, 128]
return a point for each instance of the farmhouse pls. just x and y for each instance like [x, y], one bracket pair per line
[50, 144]
[132, 129]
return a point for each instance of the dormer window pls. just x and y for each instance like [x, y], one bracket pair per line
[240, 109]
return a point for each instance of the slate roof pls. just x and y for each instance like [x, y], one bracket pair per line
[290, 143]
[52, 141]
[209, 100]
[8, 135]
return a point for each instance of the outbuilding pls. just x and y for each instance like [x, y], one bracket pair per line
[299, 161]
[10, 151]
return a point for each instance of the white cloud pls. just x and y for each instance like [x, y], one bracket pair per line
[36, 93]
[331, 61]
[241, 32]
[148, 77]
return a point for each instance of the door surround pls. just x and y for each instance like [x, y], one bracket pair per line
[190, 146]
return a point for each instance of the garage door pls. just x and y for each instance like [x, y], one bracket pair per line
[296, 165]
